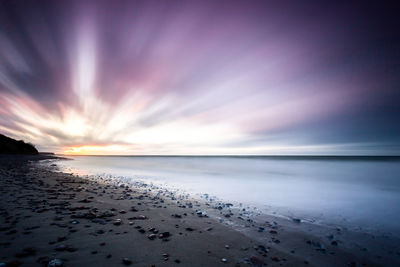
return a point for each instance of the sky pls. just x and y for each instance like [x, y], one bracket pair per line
[201, 77]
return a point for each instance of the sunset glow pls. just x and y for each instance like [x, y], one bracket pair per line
[97, 150]
[157, 77]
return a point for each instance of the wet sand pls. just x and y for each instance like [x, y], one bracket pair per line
[51, 218]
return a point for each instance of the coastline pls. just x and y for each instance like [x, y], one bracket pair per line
[48, 215]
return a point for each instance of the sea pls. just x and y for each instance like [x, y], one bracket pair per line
[360, 193]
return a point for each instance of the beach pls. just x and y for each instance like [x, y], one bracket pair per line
[55, 218]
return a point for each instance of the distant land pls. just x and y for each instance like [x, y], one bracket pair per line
[12, 146]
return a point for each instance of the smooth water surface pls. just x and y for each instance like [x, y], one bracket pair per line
[353, 192]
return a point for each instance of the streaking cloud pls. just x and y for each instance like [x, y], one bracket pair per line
[117, 77]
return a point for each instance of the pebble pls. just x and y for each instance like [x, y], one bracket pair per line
[117, 222]
[152, 236]
[55, 263]
[126, 261]
[164, 235]
[224, 260]
[256, 261]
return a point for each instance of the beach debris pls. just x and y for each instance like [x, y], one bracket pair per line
[55, 263]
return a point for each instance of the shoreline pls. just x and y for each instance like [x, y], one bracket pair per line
[50, 215]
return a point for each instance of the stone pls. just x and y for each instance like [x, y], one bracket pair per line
[117, 222]
[152, 236]
[164, 235]
[126, 261]
[55, 263]
[256, 261]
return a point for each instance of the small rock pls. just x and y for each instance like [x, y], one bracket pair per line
[117, 222]
[256, 261]
[152, 236]
[164, 235]
[55, 263]
[126, 261]
[275, 258]
[61, 247]
[224, 260]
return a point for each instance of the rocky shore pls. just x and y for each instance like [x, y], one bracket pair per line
[51, 218]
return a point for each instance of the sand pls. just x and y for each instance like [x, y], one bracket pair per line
[49, 218]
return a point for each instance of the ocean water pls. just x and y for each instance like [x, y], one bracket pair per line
[358, 193]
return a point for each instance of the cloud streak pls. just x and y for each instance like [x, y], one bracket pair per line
[213, 77]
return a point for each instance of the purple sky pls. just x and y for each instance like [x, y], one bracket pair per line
[201, 77]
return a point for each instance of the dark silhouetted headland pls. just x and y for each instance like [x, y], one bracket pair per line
[11, 146]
